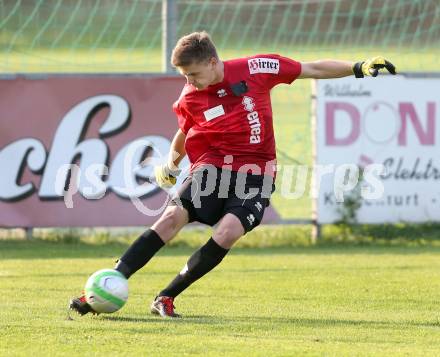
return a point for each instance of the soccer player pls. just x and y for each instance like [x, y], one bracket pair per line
[225, 127]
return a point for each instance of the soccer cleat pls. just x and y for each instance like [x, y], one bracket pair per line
[164, 306]
[81, 306]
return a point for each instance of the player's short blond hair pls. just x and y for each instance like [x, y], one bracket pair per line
[197, 47]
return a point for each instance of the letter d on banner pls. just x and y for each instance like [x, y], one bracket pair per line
[331, 124]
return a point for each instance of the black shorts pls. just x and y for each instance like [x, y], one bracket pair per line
[209, 193]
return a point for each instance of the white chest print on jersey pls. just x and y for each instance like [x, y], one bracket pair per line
[248, 103]
[253, 119]
[215, 112]
[221, 93]
[263, 65]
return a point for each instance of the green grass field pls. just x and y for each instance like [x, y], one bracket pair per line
[340, 300]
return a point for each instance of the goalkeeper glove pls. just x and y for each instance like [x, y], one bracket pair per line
[371, 67]
[165, 177]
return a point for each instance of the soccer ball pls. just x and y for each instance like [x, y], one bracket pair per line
[106, 291]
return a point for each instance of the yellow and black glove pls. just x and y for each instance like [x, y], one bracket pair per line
[165, 177]
[371, 67]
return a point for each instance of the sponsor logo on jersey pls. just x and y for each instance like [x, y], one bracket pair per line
[263, 65]
[221, 93]
[248, 103]
[214, 112]
[253, 120]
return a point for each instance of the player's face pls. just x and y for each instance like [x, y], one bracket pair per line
[200, 75]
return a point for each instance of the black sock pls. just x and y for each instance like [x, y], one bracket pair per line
[139, 253]
[200, 263]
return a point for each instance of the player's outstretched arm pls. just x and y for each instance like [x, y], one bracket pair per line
[335, 69]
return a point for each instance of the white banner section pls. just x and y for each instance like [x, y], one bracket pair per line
[388, 123]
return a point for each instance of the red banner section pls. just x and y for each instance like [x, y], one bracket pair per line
[64, 144]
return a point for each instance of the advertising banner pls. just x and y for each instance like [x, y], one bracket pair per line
[388, 127]
[64, 144]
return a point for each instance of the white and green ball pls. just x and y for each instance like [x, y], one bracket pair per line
[106, 291]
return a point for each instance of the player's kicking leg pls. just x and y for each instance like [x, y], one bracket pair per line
[229, 230]
[143, 249]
